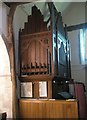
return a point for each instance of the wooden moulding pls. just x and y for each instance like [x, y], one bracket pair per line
[36, 77]
[11, 51]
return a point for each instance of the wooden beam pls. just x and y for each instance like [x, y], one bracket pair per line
[15, 3]
[18, 3]
[76, 27]
[10, 42]
[50, 5]
[48, 20]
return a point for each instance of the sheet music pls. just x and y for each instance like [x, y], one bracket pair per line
[26, 89]
[42, 89]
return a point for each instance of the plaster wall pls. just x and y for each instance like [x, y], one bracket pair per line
[20, 17]
[5, 81]
[74, 15]
[5, 76]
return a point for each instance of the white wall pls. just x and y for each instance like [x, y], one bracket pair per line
[77, 70]
[5, 76]
[74, 15]
[20, 17]
[4, 10]
[5, 81]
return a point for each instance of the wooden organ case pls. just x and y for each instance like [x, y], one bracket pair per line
[44, 52]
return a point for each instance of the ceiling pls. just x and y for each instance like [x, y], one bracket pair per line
[41, 4]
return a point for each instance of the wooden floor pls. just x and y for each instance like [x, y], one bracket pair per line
[48, 108]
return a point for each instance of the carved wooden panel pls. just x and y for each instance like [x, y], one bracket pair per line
[35, 54]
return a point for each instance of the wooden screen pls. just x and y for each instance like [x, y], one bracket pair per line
[36, 54]
[35, 46]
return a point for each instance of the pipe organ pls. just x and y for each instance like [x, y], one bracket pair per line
[44, 60]
[44, 51]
